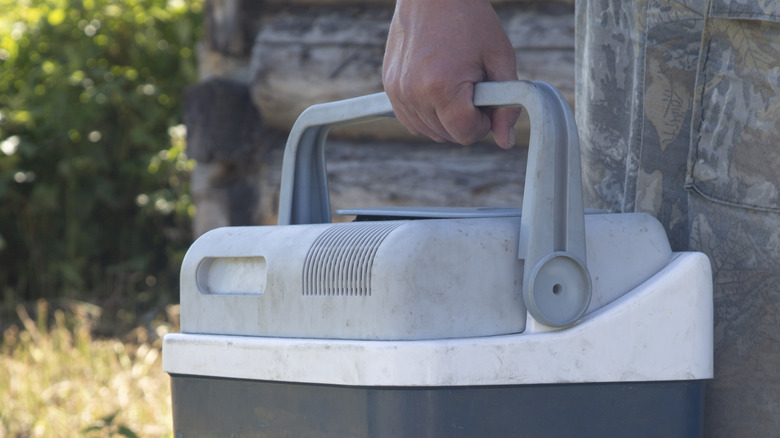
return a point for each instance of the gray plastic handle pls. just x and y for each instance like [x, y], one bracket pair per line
[556, 281]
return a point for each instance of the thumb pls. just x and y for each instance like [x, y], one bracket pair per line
[503, 126]
[502, 66]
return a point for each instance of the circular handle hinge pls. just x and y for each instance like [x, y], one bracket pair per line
[558, 290]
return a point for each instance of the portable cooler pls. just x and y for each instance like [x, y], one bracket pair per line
[442, 322]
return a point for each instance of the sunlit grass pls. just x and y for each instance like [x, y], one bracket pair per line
[57, 380]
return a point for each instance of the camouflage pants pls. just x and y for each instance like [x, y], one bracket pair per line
[678, 104]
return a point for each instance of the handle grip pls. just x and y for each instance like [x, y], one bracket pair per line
[556, 282]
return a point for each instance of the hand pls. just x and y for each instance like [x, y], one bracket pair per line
[436, 51]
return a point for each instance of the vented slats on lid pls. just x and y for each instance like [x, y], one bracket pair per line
[339, 261]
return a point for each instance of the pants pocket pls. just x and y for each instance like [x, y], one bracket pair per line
[735, 151]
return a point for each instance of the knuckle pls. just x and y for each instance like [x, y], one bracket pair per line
[467, 138]
[467, 126]
[435, 87]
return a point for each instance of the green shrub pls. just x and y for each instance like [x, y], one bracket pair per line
[93, 175]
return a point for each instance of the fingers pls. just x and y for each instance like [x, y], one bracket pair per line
[420, 120]
[436, 51]
[434, 107]
[464, 122]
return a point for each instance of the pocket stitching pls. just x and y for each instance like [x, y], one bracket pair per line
[745, 12]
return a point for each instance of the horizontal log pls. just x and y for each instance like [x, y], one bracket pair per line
[304, 57]
[392, 2]
[222, 123]
[381, 173]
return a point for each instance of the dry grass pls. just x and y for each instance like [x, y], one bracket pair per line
[56, 380]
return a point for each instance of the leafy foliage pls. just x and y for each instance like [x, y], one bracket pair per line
[93, 173]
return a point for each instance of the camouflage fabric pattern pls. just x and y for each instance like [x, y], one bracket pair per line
[677, 106]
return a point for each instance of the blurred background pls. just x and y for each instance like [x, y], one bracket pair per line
[130, 127]
[95, 211]
[94, 200]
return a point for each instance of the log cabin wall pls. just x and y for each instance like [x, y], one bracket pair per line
[263, 62]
